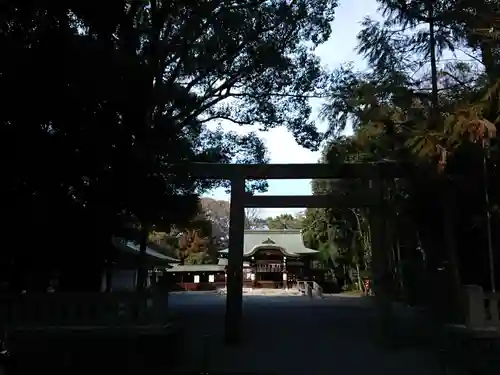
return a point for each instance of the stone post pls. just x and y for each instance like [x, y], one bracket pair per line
[475, 315]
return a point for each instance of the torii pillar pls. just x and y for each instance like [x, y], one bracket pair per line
[380, 263]
[234, 297]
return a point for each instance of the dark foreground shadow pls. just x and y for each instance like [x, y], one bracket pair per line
[117, 351]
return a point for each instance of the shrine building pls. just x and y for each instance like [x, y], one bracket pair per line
[271, 259]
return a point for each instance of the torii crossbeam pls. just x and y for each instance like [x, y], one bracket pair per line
[239, 173]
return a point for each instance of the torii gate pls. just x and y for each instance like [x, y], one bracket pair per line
[375, 173]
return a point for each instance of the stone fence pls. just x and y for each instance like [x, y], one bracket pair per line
[82, 309]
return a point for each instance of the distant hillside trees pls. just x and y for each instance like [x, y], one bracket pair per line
[285, 221]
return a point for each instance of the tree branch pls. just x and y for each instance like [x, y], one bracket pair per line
[281, 95]
[221, 117]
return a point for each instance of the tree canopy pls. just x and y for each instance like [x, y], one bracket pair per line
[106, 106]
[430, 98]
[106, 102]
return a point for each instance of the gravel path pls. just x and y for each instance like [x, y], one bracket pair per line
[293, 335]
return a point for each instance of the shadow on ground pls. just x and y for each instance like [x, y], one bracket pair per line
[294, 335]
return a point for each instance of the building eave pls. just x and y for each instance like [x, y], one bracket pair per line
[152, 255]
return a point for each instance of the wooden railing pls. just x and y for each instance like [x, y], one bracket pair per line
[483, 310]
[83, 309]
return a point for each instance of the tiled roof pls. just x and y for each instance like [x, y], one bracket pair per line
[287, 240]
[197, 268]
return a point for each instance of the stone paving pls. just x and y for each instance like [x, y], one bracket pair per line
[293, 335]
[265, 292]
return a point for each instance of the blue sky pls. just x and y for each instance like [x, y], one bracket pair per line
[281, 145]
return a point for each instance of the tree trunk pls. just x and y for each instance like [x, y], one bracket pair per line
[86, 275]
[451, 249]
[380, 262]
[491, 257]
[432, 51]
[488, 60]
[397, 246]
[142, 271]
[360, 282]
